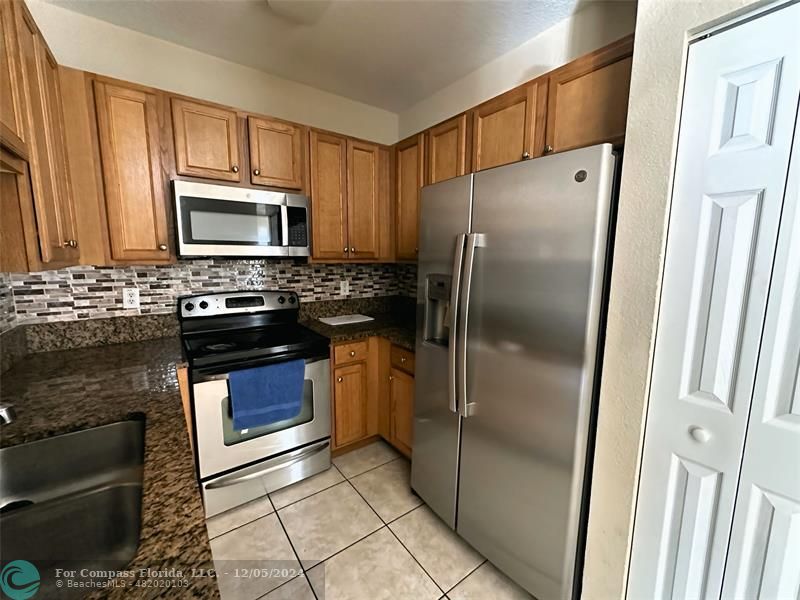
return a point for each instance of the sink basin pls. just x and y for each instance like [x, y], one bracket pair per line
[73, 501]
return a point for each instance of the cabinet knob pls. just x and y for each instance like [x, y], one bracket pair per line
[345, 249]
[235, 168]
[526, 155]
[416, 250]
[70, 243]
[352, 352]
[339, 379]
[391, 377]
[402, 359]
[352, 249]
[548, 149]
[256, 172]
[162, 247]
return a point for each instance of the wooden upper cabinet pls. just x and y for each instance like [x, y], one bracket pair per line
[55, 215]
[206, 141]
[363, 199]
[276, 153]
[447, 149]
[410, 169]
[328, 196]
[135, 182]
[350, 419]
[12, 96]
[588, 99]
[510, 127]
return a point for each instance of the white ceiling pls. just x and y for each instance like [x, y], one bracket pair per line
[387, 53]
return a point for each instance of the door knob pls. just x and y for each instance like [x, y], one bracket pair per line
[526, 155]
[256, 172]
[235, 168]
[699, 434]
[162, 247]
[339, 379]
[548, 149]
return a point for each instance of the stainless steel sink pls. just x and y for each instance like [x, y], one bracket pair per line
[73, 501]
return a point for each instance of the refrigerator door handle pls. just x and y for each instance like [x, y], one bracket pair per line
[474, 240]
[455, 290]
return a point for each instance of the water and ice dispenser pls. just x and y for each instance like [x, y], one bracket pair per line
[437, 309]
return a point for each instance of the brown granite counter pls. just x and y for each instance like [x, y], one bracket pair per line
[69, 390]
[397, 328]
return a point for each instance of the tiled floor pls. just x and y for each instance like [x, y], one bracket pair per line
[356, 531]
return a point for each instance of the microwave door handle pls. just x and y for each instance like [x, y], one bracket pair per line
[474, 240]
[284, 226]
[455, 290]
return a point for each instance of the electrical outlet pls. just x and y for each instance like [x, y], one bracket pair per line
[344, 287]
[130, 297]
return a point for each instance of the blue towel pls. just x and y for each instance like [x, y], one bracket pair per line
[266, 395]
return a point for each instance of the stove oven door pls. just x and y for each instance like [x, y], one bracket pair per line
[237, 466]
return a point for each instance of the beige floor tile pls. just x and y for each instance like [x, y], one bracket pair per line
[376, 568]
[356, 462]
[224, 522]
[302, 489]
[261, 544]
[322, 524]
[488, 582]
[388, 489]
[296, 589]
[443, 554]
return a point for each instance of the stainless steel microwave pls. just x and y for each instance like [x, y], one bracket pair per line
[220, 220]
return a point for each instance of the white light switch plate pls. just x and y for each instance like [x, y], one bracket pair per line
[130, 297]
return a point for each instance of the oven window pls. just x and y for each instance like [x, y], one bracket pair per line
[232, 437]
[209, 221]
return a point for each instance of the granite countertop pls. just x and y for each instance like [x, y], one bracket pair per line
[69, 390]
[398, 327]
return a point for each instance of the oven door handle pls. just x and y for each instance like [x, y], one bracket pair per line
[256, 471]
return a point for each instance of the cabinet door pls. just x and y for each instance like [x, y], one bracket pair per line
[402, 403]
[206, 140]
[410, 161]
[12, 116]
[128, 126]
[276, 153]
[328, 196]
[350, 404]
[447, 149]
[362, 199]
[588, 99]
[49, 175]
[510, 127]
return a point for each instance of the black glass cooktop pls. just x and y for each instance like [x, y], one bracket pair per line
[251, 344]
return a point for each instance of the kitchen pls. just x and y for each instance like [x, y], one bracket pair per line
[182, 217]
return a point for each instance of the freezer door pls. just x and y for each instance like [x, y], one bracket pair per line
[445, 210]
[540, 236]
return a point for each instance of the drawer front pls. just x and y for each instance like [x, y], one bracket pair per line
[350, 352]
[403, 359]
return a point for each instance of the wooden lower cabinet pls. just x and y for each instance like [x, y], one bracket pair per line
[373, 394]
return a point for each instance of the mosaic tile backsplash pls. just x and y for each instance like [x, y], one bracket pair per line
[86, 292]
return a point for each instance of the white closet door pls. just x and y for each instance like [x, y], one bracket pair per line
[740, 99]
[764, 554]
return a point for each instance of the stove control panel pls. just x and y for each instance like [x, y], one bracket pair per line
[229, 303]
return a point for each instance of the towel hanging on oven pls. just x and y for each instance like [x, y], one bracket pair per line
[266, 395]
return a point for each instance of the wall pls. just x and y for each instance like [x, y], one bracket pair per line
[662, 29]
[86, 292]
[594, 26]
[90, 44]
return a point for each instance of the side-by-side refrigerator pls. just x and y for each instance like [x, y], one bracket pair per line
[513, 266]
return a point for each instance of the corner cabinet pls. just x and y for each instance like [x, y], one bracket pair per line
[351, 208]
[410, 176]
[206, 141]
[588, 99]
[128, 121]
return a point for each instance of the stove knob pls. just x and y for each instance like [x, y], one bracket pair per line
[204, 305]
[188, 306]
[281, 300]
[292, 299]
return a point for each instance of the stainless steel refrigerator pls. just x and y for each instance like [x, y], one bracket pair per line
[513, 265]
